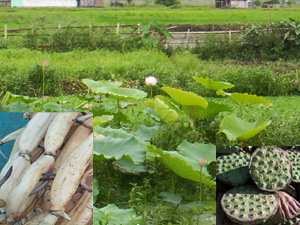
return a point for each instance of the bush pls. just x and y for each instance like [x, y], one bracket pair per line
[168, 2]
[257, 3]
[272, 42]
[68, 39]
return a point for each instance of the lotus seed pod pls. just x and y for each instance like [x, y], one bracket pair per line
[270, 168]
[233, 169]
[249, 205]
[294, 158]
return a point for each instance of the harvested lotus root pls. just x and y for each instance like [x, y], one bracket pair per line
[289, 207]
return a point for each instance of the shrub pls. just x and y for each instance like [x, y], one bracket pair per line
[68, 39]
[271, 42]
[168, 2]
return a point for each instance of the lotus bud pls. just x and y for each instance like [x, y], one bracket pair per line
[151, 81]
[45, 63]
[202, 162]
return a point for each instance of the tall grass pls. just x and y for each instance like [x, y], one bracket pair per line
[21, 71]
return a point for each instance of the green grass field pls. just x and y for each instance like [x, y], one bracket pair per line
[134, 15]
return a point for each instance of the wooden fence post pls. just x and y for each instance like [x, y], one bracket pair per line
[90, 28]
[5, 31]
[118, 29]
[230, 35]
[139, 28]
[187, 37]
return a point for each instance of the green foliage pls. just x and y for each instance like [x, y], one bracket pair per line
[212, 84]
[113, 89]
[246, 99]
[165, 112]
[135, 143]
[168, 2]
[259, 42]
[171, 197]
[185, 98]
[66, 69]
[118, 144]
[235, 128]
[67, 39]
[142, 14]
[185, 162]
[96, 191]
[112, 215]
[42, 79]
[282, 131]
[3, 43]
[197, 152]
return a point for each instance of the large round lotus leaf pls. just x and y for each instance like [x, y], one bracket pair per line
[185, 98]
[270, 168]
[213, 84]
[249, 205]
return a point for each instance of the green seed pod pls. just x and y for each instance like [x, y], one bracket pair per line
[249, 205]
[233, 168]
[294, 158]
[270, 168]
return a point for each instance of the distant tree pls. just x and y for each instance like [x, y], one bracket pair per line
[257, 3]
[168, 2]
[129, 2]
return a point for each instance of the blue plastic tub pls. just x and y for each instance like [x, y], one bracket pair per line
[9, 122]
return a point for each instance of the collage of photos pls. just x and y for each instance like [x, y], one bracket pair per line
[149, 112]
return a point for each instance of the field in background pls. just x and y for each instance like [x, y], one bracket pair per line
[17, 18]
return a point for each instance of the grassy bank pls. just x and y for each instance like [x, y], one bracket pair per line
[134, 15]
[21, 71]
